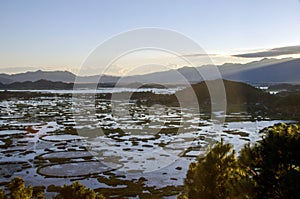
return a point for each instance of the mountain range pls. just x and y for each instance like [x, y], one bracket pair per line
[263, 72]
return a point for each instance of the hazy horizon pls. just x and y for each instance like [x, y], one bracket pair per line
[2, 71]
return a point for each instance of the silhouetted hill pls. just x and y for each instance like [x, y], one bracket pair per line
[63, 76]
[55, 76]
[240, 97]
[236, 93]
[4, 79]
[37, 85]
[274, 72]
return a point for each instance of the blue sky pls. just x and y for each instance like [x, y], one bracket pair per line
[60, 34]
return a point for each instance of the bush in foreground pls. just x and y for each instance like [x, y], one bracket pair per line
[213, 176]
[77, 191]
[269, 169]
[273, 164]
[17, 190]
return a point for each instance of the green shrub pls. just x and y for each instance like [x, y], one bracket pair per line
[77, 191]
[18, 190]
[214, 175]
[2, 194]
[273, 164]
[269, 169]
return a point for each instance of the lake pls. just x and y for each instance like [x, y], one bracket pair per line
[50, 140]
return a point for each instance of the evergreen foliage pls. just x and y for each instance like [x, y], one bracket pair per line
[269, 169]
[17, 190]
[77, 191]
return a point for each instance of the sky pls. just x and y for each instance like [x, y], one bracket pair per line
[61, 34]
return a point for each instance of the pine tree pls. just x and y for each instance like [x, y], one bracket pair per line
[77, 191]
[274, 163]
[18, 190]
[214, 176]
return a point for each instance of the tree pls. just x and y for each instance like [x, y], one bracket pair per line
[77, 191]
[273, 164]
[269, 169]
[18, 190]
[213, 176]
[2, 194]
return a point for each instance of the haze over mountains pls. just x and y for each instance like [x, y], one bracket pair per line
[263, 72]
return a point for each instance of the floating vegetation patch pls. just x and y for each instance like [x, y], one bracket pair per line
[58, 138]
[75, 169]
[240, 133]
[11, 132]
[66, 155]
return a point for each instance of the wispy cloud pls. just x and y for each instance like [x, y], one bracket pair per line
[272, 52]
[198, 55]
